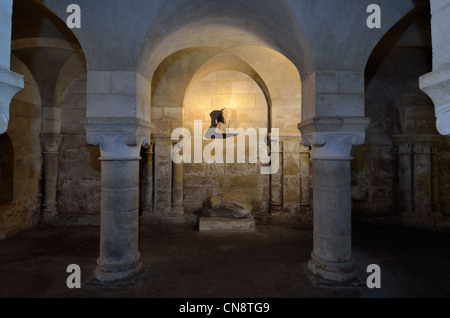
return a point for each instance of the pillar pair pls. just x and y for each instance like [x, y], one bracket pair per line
[168, 178]
[120, 141]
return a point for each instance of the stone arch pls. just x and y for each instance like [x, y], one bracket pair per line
[49, 48]
[72, 70]
[282, 88]
[24, 129]
[173, 60]
[214, 27]
[402, 130]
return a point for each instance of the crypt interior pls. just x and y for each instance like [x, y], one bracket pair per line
[358, 120]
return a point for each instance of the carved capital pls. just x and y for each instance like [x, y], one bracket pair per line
[10, 84]
[408, 144]
[149, 148]
[437, 86]
[51, 142]
[333, 138]
[118, 138]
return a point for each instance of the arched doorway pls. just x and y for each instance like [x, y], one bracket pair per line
[395, 175]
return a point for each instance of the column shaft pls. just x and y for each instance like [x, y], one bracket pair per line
[177, 187]
[120, 141]
[50, 182]
[148, 181]
[305, 177]
[332, 254]
[435, 204]
[119, 255]
[50, 157]
[276, 184]
[331, 258]
[405, 190]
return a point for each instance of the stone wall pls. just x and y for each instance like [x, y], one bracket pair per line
[392, 173]
[237, 91]
[79, 169]
[291, 176]
[22, 212]
[444, 179]
[250, 109]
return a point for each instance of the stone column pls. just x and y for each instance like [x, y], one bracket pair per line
[437, 83]
[276, 182]
[120, 141]
[305, 155]
[405, 197]
[163, 176]
[177, 185]
[435, 202]
[148, 206]
[51, 144]
[332, 140]
[422, 181]
[418, 178]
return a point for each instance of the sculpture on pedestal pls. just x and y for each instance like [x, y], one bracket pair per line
[225, 121]
[228, 206]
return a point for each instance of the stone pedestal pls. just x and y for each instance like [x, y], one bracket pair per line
[331, 140]
[163, 176]
[227, 225]
[51, 144]
[120, 141]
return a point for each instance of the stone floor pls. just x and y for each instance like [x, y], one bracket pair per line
[183, 263]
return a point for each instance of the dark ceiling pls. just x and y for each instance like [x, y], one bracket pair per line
[32, 20]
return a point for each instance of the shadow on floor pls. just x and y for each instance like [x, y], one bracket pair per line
[182, 263]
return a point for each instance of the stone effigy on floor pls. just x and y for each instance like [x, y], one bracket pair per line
[231, 212]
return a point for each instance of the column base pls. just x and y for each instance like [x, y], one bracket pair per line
[49, 213]
[117, 271]
[178, 209]
[334, 273]
[276, 209]
[148, 209]
[306, 207]
[412, 220]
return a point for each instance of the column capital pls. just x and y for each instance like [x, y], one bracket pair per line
[149, 147]
[51, 142]
[332, 138]
[10, 84]
[437, 86]
[119, 138]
